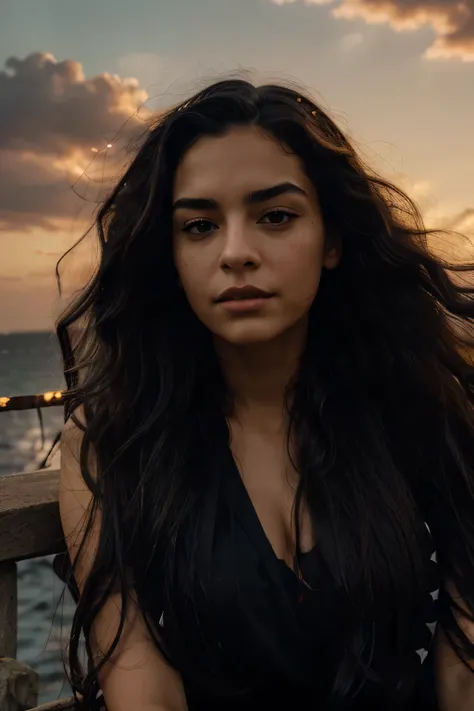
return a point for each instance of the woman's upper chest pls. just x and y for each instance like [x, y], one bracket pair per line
[269, 475]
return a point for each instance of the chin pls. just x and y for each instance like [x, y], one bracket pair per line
[249, 334]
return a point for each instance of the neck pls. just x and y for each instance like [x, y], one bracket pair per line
[258, 375]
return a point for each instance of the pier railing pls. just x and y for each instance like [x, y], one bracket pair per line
[29, 527]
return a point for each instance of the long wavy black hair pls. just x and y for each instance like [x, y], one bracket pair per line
[381, 411]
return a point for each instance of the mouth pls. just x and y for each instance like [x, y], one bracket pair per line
[243, 293]
[242, 300]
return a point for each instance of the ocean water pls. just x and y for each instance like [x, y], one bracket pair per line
[30, 363]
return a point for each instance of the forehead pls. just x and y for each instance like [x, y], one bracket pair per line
[242, 160]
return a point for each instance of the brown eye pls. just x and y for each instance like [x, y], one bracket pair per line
[199, 227]
[278, 217]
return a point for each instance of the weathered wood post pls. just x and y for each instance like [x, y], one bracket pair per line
[29, 527]
[18, 683]
[8, 609]
[18, 686]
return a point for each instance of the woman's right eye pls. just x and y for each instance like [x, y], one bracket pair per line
[199, 227]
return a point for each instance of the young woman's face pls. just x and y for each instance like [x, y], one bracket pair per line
[246, 218]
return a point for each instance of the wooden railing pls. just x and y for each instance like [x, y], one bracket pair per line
[29, 527]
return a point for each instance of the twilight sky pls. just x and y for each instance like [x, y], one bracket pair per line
[397, 74]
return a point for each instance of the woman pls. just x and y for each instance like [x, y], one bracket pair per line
[267, 471]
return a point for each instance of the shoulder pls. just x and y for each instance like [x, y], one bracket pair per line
[71, 478]
[73, 432]
[70, 446]
[75, 497]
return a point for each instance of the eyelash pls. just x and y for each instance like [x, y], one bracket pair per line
[290, 215]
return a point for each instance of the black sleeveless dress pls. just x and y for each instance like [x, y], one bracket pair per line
[279, 640]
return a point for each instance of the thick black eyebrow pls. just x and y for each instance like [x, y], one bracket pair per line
[254, 198]
[269, 193]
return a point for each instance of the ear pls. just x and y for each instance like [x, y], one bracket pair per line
[332, 251]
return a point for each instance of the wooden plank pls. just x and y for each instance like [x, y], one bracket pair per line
[29, 515]
[8, 607]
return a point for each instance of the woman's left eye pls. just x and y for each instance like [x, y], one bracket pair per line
[278, 217]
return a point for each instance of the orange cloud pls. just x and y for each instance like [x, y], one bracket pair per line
[51, 120]
[452, 20]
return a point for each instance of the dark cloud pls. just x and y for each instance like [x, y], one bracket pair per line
[51, 106]
[35, 201]
[452, 20]
[458, 42]
[51, 117]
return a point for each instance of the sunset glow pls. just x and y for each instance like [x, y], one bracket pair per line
[396, 75]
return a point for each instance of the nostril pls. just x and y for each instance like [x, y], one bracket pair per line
[238, 265]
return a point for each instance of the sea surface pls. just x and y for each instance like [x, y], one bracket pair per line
[30, 363]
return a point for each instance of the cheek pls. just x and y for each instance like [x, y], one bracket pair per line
[183, 262]
[301, 269]
[190, 280]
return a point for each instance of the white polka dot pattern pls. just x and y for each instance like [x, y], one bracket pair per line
[429, 609]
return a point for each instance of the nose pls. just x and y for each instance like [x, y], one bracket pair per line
[239, 251]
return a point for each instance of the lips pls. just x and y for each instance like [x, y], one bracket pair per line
[243, 293]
